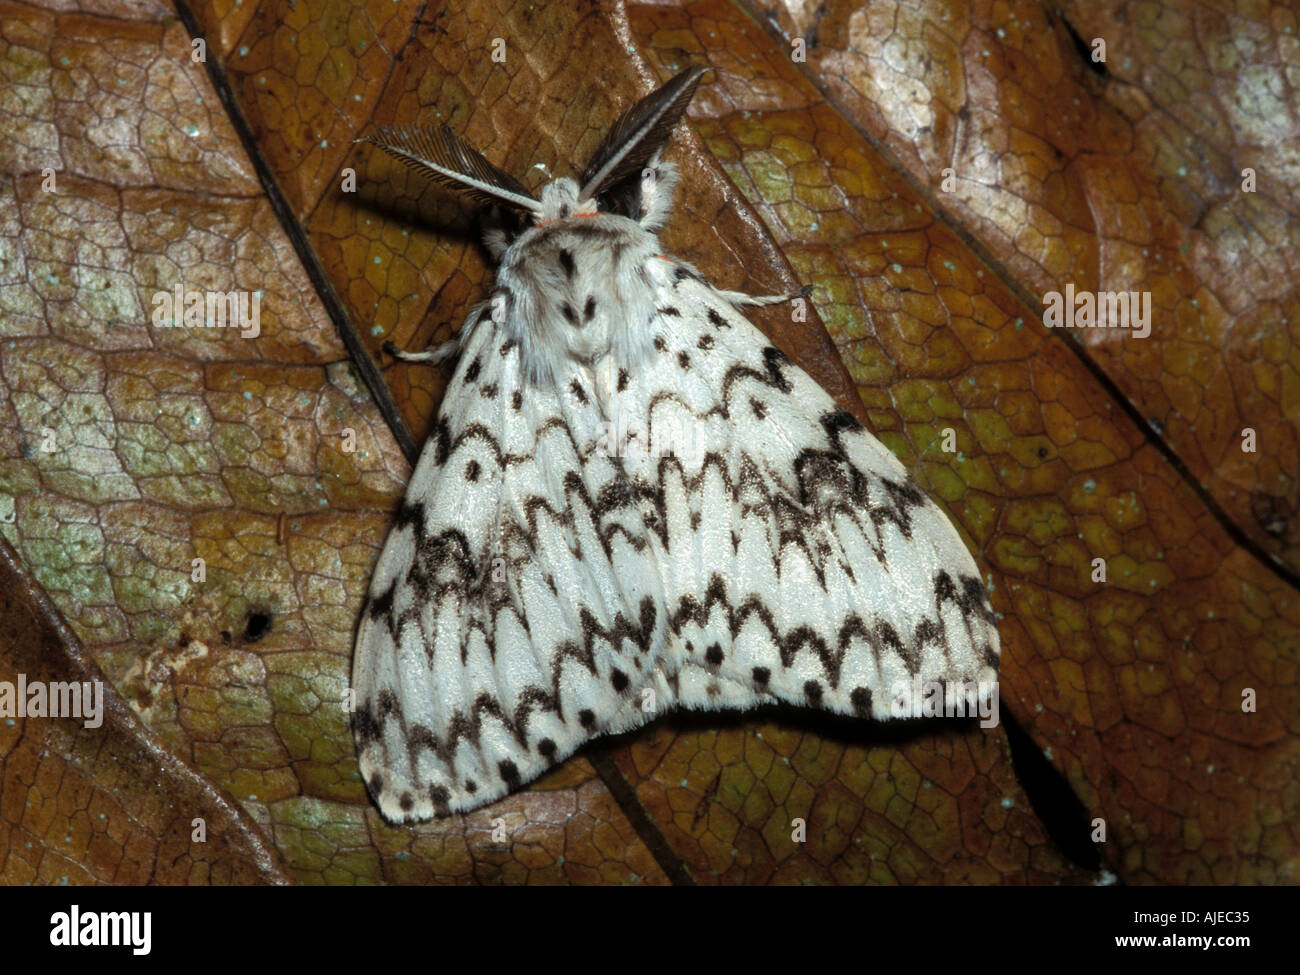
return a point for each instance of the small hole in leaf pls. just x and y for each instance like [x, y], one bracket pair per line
[257, 626]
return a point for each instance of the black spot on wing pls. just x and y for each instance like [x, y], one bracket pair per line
[419, 738]
[367, 728]
[509, 773]
[382, 604]
[860, 698]
[682, 273]
[441, 800]
[443, 442]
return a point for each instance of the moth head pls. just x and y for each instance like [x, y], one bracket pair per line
[619, 178]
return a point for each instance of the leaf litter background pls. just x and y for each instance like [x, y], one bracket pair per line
[171, 445]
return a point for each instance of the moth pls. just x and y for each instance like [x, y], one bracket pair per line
[631, 501]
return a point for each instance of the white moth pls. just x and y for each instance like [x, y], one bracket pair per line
[630, 490]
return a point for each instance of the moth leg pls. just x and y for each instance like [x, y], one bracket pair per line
[435, 355]
[741, 300]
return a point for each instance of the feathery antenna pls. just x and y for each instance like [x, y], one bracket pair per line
[441, 155]
[639, 133]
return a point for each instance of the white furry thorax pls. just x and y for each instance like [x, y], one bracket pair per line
[578, 285]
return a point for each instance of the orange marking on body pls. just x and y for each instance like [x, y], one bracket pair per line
[572, 216]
